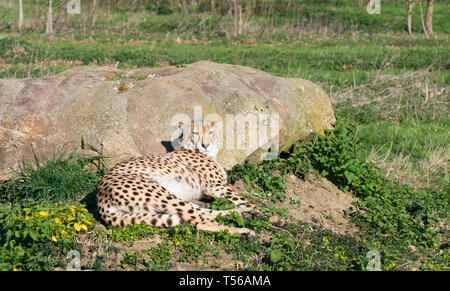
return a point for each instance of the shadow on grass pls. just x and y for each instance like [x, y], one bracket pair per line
[90, 200]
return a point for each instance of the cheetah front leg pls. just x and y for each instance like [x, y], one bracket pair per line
[210, 213]
[243, 206]
[202, 219]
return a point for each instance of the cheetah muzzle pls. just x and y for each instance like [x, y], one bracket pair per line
[157, 190]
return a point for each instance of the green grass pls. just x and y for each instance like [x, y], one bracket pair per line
[57, 179]
[417, 152]
[408, 138]
[315, 61]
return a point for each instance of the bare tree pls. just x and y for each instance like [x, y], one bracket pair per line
[421, 18]
[429, 17]
[213, 7]
[409, 18]
[49, 28]
[237, 9]
[20, 15]
[185, 6]
[93, 10]
[240, 18]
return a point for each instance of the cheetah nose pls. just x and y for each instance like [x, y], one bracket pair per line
[205, 145]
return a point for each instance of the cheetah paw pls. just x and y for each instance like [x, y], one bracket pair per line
[249, 213]
[248, 233]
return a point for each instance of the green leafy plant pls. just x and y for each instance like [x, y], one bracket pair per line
[158, 258]
[36, 237]
[130, 259]
[132, 233]
[260, 179]
[222, 204]
[45, 222]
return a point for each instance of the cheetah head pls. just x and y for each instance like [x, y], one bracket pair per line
[200, 136]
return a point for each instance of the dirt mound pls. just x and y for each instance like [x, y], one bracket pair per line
[320, 202]
[315, 201]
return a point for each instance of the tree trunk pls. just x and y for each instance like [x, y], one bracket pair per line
[20, 15]
[49, 29]
[409, 19]
[429, 17]
[240, 18]
[213, 7]
[93, 10]
[423, 23]
[236, 18]
[185, 8]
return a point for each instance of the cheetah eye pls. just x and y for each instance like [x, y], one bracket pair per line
[211, 132]
[196, 133]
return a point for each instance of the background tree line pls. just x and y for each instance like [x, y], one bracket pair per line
[53, 12]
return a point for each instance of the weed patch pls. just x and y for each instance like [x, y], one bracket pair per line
[54, 179]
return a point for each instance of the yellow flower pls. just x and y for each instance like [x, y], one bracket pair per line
[84, 209]
[54, 238]
[57, 220]
[77, 226]
[15, 269]
[27, 218]
[63, 231]
[43, 213]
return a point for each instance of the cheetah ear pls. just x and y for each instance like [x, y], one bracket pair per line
[181, 128]
[213, 123]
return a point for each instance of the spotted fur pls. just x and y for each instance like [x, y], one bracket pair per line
[158, 190]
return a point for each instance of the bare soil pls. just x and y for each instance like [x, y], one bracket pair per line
[315, 201]
[321, 202]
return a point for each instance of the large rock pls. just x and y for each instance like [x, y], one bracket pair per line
[86, 108]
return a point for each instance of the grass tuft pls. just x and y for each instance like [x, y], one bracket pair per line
[55, 179]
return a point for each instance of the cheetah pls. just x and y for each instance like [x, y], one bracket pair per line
[158, 190]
